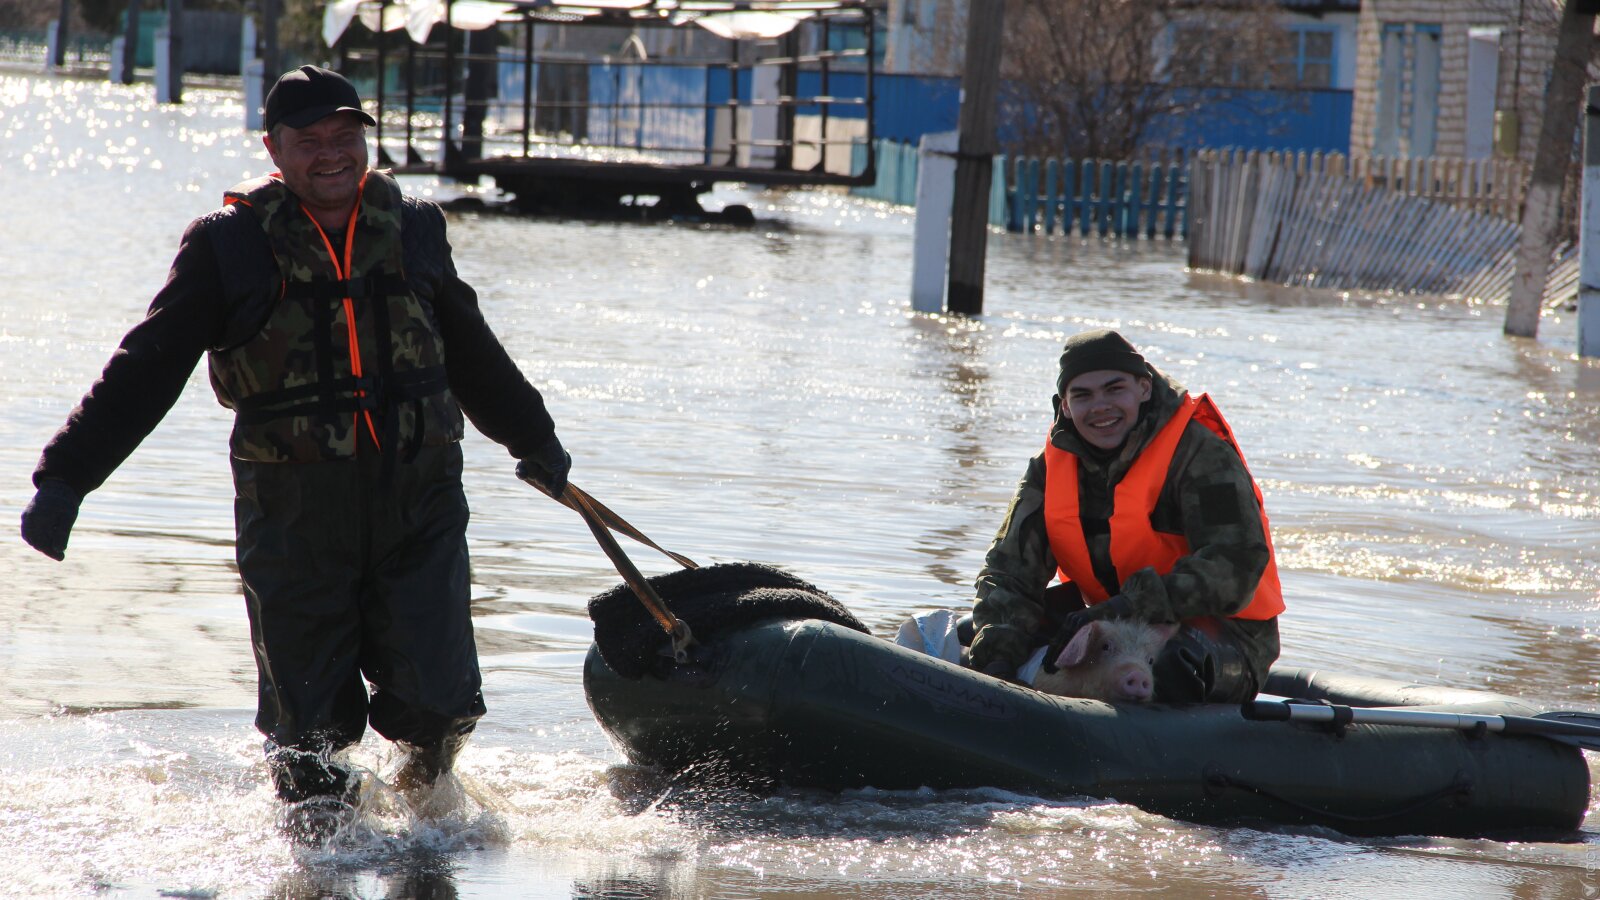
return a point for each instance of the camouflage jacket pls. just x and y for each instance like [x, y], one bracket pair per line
[340, 350]
[1208, 498]
[223, 284]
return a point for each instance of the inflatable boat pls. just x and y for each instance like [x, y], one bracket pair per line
[784, 688]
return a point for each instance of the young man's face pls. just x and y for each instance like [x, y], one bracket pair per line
[1104, 405]
[323, 163]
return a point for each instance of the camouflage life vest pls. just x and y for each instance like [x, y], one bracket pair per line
[348, 345]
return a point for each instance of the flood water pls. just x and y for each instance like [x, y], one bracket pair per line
[758, 394]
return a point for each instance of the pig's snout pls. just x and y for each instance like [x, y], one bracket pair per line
[1134, 683]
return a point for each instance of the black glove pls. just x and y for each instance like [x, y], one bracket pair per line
[47, 522]
[1185, 673]
[547, 468]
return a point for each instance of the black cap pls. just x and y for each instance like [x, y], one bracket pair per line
[1092, 351]
[310, 94]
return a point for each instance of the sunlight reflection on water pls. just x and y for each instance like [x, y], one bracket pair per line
[753, 394]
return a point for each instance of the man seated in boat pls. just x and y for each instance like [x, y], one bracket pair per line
[1142, 503]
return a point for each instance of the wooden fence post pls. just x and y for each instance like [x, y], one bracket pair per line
[1075, 176]
[1178, 195]
[1135, 200]
[1051, 167]
[1197, 186]
[1086, 176]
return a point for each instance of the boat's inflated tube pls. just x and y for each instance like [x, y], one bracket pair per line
[810, 703]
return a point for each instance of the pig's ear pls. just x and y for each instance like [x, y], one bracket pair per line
[1167, 630]
[1076, 653]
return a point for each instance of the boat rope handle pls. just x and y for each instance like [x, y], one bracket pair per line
[1460, 786]
[573, 498]
[616, 522]
[600, 521]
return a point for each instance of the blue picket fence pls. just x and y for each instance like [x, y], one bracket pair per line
[1089, 197]
[1099, 197]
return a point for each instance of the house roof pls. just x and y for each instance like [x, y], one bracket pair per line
[734, 19]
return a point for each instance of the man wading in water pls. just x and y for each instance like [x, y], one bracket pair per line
[341, 336]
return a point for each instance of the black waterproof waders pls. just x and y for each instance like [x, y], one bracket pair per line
[354, 575]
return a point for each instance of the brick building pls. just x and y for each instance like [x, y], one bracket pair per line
[1452, 78]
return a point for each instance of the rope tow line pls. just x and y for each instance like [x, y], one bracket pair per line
[601, 521]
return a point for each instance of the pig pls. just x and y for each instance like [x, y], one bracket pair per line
[1108, 660]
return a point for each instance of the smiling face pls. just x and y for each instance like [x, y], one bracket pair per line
[1104, 405]
[323, 163]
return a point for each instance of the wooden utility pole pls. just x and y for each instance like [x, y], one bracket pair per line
[130, 45]
[480, 88]
[969, 212]
[1541, 206]
[169, 56]
[271, 65]
[58, 35]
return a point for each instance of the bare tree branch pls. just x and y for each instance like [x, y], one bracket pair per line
[1090, 78]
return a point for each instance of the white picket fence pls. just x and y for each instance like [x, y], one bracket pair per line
[1409, 226]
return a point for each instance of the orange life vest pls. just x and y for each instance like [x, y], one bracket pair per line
[1134, 543]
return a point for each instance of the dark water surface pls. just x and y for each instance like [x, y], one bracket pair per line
[757, 394]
